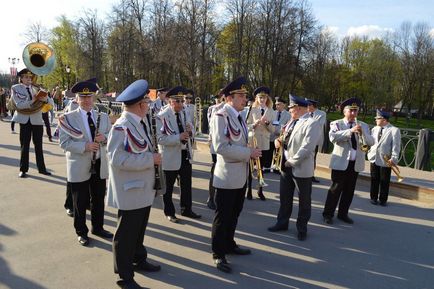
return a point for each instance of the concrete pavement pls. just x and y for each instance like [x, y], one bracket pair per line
[387, 247]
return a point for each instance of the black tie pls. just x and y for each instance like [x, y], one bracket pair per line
[178, 121]
[353, 139]
[91, 125]
[145, 129]
[380, 134]
[262, 111]
[311, 114]
[28, 91]
[278, 116]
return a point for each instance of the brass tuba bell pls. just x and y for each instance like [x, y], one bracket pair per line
[39, 58]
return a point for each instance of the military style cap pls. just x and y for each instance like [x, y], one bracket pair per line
[163, 89]
[189, 93]
[279, 100]
[177, 92]
[84, 88]
[25, 71]
[262, 90]
[297, 101]
[351, 103]
[134, 92]
[236, 86]
[311, 101]
[382, 114]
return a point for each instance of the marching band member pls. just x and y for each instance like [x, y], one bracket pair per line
[300, 138]
[230, 139]
[281, 118]
[83, 135]
[220, 102]
[174, 133]
[161, 100]
[321, 117]
[347, 160]
[131, 182]
[387, 143]
[260, 126]
[188, 105]
[24, 95]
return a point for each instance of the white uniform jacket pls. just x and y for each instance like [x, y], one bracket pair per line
[340, 136]
[73, 138]
[389, 144]
[22, 100]
[301, 147]
[229, 139]
[169, 143]
[261, 132]
[131, 165]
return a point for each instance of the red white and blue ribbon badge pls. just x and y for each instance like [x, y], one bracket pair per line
[231, 131]
[69, 129]
[166, 128]
[336, 127]
[132, 143]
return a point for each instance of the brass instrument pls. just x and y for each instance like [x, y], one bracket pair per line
[188, 143]
[394, 167]
[363, 146]
[40, 60]
[277, 156]
[255, 164]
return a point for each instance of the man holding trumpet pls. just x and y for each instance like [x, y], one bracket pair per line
[383, 155]
[230, 140]
[299, 141]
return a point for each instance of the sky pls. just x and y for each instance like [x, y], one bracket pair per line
[343, 17]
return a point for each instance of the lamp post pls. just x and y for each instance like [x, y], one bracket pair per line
[68, 73]
[13, 70]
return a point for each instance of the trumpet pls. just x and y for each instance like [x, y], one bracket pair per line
[257, 163]
[277, 156]
[394, 167]
[363, 146]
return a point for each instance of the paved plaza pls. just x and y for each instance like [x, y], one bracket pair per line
[387, 247]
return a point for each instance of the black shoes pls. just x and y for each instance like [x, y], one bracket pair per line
[191, 214]
[83, 240]
[173, 219]
[70, 212]
[102, 233]
[222, 265]
[277, 228]
[47, 173]
[301, 236]
[383, 204]
[314, 180]
[261, 195]
[240, 251]
[130, 284]
[22, 175]
[328, 220]
[346, 219]
[211, 204]
[146, 266]
[374, 202]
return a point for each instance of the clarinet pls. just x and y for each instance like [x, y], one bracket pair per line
[92, 165]
[157, 183]
[188, 142]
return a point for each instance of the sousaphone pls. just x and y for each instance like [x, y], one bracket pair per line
[40, 60]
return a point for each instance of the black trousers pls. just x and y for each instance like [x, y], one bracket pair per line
[288, 183]
[267, 156]
[380, 180]
[184, 173]
[229, 203]
[211, 188]
[341, 190]
[94, 188]
[128, 248]
[31, 132]
[46, 119]
[68, 201]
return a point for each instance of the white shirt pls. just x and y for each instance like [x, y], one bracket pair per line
[86, 125]
[352, 153]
